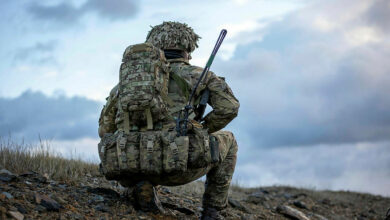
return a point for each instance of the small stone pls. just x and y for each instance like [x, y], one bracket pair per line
[257, 198]
[320, 217]
[75, 216]
[101, 207]
[40, 208]
[47, 202]
[98, 198]
[300, 204]
[287, 195]
[28, 173]
[8, 195]
[59, 199]
[7, 176]
[16, 215]
[165, 190]
[105, 191]
[46, 175]
[248, 217]
[236, 204]
[4, 171]
[20, 208]
[188, 201]
[291, 212]
[34, 176]
[326, 202]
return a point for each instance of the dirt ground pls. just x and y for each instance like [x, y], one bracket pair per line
[33, 196]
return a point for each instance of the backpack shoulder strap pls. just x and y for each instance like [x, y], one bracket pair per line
[182, 83]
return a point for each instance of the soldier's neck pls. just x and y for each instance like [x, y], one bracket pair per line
[174, 55]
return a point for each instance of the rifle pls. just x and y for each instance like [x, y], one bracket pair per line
[182, 119]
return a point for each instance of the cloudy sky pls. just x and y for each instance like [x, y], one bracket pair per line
[313, 79]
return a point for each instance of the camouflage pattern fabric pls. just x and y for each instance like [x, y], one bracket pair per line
[107, 115]
[225, 108]
[150, 152]
[173, 35]
[143, 86]
[175, 152]
[219, 175]
[224, 104]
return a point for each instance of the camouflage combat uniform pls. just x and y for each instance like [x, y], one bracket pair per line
[224, 109]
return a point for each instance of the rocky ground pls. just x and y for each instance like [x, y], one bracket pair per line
[31, 195]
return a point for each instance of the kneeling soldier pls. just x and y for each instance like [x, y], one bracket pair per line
[140, 147]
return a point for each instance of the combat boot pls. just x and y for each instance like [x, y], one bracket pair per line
[146, 199]
[210, 213]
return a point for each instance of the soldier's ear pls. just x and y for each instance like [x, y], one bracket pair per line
[189, 56]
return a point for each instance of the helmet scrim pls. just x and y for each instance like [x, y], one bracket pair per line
[173, 35]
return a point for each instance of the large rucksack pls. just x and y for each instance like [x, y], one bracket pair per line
[138, 146]
[143, 87]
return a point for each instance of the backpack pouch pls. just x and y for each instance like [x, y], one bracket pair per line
[108, 155]
[150, 152]
[175, 152]
[132, 152]
[199, 149]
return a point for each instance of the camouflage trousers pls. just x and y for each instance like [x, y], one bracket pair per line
[219, 175]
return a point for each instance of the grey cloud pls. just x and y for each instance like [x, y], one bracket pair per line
[301, 87]
[62, 118]
[40, 53]
[345, 167]
[66, 13]
[379, 14]
[63, 12]
[114, 10]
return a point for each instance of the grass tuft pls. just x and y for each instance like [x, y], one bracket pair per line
[22, 157]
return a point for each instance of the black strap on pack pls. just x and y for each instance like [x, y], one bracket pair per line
[173, 54]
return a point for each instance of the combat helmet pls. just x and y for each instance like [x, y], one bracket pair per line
[173, 35]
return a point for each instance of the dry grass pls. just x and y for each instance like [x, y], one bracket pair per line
[22, 157]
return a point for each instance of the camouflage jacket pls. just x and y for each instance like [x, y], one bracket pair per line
[224, 105]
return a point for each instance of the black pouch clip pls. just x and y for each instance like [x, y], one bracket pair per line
[214, 149]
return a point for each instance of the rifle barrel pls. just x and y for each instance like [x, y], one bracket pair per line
[209, 62]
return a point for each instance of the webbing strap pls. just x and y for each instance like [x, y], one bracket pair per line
[183, 85]
[149, 119]
[175, 109]
[121, 144]
[126, 122]
[168, 100]
[119, 152]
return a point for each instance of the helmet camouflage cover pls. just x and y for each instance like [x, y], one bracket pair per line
[173, 35]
